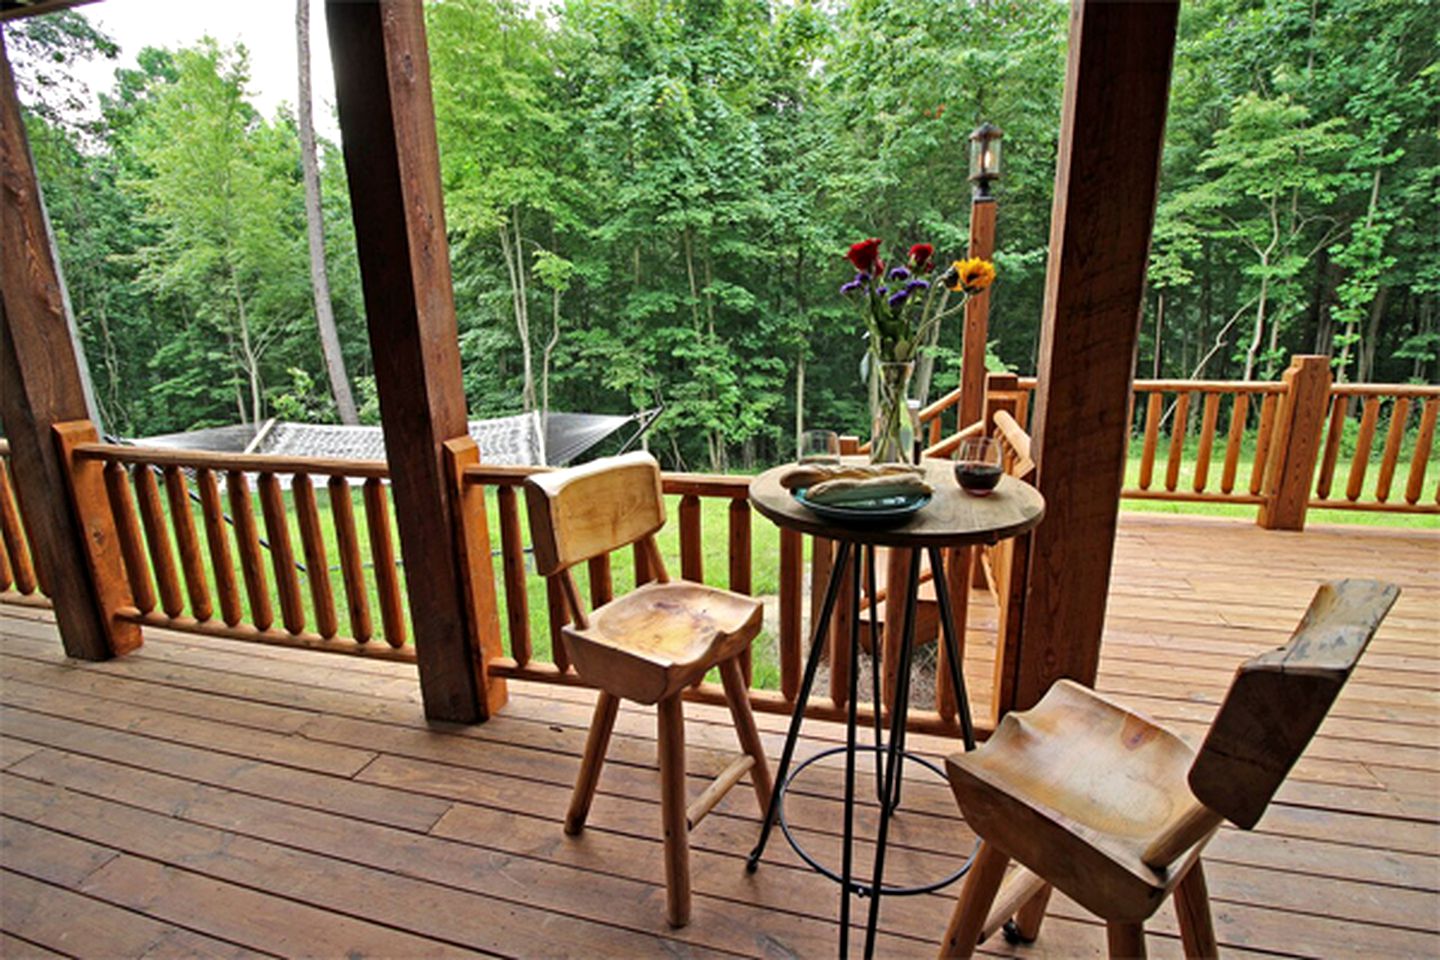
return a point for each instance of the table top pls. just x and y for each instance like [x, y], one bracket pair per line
[952, 518]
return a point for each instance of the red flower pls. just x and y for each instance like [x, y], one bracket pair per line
[865, 255]
[921, 257]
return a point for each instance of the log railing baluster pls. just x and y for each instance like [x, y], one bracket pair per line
[317, 564]
[1423, 443]
[559, 615]
[1361, 463]
[512, 565]
[22, 568]
[382, 555]
[791, 571]
[252, 565]
[1152, 434]
[1399, 415]
[741, 567]
[1263, 441]
[282, 554]
[1239, 412]
[1207, 441]
[192, 562]
[692, 557]
[162, 558]
[1331, 454]
[1178, 424]
[352, 566]
[217, 538]
[127, 531]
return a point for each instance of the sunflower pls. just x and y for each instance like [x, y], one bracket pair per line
[971, 275]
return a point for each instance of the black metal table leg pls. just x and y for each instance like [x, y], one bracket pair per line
[847, 854]
[892, 763]
[876, 667]
[952, 648]
[842, 555]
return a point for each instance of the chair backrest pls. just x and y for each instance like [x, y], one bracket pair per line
[1278, 699]
[589, 510]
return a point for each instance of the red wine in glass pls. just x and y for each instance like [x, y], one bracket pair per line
[977, 469]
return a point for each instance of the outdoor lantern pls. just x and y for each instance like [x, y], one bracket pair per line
[985, 157]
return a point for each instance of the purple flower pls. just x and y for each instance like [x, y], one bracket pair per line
[899, 273]
[918, 285]
[862, 277]
[899, 298]
[881, 291]
[850, 287]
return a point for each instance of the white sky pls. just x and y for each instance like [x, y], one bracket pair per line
[266, 27]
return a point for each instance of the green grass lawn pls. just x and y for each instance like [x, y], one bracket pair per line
[715, 542]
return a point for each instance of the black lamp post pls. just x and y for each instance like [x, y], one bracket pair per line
[985, 158]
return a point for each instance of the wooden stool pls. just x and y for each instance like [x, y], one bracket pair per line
[1114, 810]
[646, 646]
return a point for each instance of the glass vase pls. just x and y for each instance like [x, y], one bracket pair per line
[892, 432]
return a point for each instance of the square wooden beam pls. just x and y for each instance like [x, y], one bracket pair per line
[1117, 88]
[387, 123]
[40, 386]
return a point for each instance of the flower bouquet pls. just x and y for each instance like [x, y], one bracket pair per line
[902, 311]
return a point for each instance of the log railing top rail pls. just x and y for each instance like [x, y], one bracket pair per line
[241, 462]
[681, 484]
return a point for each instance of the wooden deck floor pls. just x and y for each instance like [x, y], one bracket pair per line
[205, 798]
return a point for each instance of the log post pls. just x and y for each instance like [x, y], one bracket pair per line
[1299, 430]
[977, 318]
[98, 535]
[41, 385]
[473, 527]
[1117, 86]
[387, 123]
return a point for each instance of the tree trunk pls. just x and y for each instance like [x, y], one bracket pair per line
[1366, 372]
[511, 252]
[315, 225]
[799, 401]
[1159, 329]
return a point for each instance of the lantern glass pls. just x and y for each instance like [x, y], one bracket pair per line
[984, 158]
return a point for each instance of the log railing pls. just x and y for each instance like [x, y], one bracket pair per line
[1254, 443]
[20, 580]
[782, 645]
[239, 546]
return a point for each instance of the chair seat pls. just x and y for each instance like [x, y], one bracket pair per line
[1075, 789]
[650, 643]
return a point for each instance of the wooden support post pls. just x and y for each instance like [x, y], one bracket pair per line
[1299, 429]
[977, 318]
[387, 123]
[40, 386]
[1116, 90]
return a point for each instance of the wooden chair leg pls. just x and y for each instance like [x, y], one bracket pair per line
[1127, 940]
[981, 885]
[735, 696]
[1028, 919]
[1192, 908]
[596, 743]
[672, 811]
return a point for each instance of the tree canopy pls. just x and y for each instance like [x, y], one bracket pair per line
[649, 201]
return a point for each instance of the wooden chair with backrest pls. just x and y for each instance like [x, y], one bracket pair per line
[1113, 810]
[646, 646]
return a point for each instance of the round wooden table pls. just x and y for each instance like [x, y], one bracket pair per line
[952, 518]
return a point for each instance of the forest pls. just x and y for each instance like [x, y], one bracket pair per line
[648, 204]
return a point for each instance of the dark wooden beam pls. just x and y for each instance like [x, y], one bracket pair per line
[1117, 87]
[17, 9]
[40, 386]
[387, 123]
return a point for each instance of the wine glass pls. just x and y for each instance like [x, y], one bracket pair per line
[977, 468]
[819, 446]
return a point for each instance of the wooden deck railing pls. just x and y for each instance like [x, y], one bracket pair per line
[522, 661]
[1235, 441]
[244, 575]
